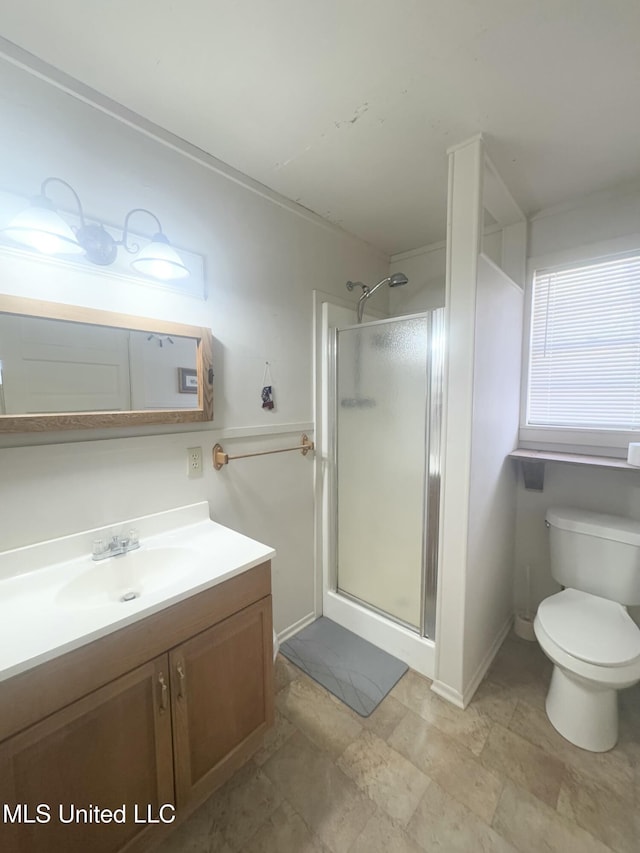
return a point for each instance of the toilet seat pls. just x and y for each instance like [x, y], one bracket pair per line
[613, 677]
[592, 629]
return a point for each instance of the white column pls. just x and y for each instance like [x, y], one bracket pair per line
[464, 224]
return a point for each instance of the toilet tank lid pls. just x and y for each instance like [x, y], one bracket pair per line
[599, 524]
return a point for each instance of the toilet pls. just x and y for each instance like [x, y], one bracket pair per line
[585, 630]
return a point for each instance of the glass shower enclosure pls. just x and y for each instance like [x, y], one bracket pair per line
[388, 400]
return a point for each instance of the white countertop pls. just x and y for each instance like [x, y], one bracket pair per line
[40, 619]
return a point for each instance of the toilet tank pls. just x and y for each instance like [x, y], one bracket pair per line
[595, 553]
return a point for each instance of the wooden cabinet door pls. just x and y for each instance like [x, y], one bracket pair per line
[110, 749]
[222, 700]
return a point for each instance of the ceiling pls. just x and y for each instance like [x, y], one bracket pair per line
[348, 106]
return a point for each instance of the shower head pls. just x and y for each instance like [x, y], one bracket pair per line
[395, 280]
[398, 279]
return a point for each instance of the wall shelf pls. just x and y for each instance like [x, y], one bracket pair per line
[532, 463]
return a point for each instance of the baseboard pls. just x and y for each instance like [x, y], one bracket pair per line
[461, 700]
[297, 626]
[486, 662]
[448, 693]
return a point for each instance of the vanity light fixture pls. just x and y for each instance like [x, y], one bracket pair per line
[41, 227]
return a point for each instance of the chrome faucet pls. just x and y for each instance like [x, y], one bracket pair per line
[103, 549]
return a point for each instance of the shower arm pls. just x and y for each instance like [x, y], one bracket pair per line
[369, 291]
[366, 293]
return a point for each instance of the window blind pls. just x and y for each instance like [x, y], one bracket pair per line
[584, 365]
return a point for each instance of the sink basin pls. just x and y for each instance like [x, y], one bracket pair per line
[127, 577]
[54, 598]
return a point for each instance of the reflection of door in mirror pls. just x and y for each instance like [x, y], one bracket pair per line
[52, 365]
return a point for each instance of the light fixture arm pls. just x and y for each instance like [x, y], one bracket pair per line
[135, 247]
[47, 201]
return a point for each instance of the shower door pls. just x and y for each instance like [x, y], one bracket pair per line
[388, 388]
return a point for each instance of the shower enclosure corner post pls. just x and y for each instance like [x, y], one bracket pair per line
[327, 315]
[433, 477]
[332, 550]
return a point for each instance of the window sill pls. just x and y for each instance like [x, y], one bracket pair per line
[532, 463]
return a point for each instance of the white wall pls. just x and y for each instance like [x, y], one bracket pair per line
[425, 268]
[608, 221]
[492, 483]
[264, 257]
[601, 216]
[425, 290]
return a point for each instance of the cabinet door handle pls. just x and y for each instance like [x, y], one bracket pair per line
[181, 681]
[164, 693]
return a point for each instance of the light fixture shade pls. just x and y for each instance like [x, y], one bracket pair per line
[160, 260]
[41, 228]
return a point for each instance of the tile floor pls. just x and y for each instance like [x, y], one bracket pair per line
[421, 775]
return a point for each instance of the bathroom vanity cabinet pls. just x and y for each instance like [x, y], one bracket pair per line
[157, 714]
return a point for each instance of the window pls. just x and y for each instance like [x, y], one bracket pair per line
[584, 352]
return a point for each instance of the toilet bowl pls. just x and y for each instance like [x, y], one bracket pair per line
[595, 648]
[585, 630]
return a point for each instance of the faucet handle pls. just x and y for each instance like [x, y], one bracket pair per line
[100, 546]
[132, 536]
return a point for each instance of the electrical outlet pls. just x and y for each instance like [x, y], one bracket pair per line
[194, 462]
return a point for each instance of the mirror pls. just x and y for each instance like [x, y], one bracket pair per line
[66, 367]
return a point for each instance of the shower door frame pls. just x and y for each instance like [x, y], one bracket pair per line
[432, 468]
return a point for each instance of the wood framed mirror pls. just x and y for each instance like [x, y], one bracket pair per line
[67, 367]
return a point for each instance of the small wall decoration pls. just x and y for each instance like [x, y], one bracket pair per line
[187, 380]
[267, 389]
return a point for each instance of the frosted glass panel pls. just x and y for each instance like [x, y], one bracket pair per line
[381, 443]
